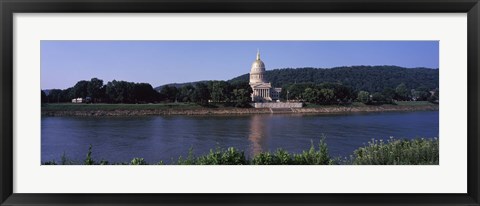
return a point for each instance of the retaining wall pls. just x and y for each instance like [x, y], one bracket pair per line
[278, 105]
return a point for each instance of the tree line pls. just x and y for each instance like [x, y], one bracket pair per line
[202, 93]
[209, 92]
[337, 93]
[112, 92]
[342, 85]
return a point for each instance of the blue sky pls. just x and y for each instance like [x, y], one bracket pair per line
[63, 63]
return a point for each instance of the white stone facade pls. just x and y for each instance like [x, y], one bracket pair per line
[278, 105]
[262, 90]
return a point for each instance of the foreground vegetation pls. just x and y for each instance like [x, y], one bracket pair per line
[377, 152]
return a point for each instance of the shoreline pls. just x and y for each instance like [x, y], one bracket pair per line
[242, 111]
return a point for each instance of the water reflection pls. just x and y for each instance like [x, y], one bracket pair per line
[258, 133]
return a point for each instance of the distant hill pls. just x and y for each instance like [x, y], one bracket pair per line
[367, 78]
[178, 85]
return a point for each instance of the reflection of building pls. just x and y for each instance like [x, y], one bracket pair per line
[258, 134]
[262, 90]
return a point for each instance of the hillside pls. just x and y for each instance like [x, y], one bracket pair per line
[179, 85]
[368, 78]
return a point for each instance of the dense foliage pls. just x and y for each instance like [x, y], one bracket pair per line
[341, 85]
[367, 78]
[112, 92]
[398, 152]
[377, 152]
[202, 93]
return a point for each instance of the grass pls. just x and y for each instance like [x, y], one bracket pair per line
[165, 106]
[377, 152]
[112, 107]
[360, 104]
[414, 103]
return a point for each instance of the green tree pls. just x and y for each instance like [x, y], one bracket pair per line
[54, 96]
[401, 92]
[326, 96]
[422, 93]
[95, 89]
[144, 92]
[67, 95]
[201, 94]
[363, 97]
[120, 91]
[295, 91]
[186, 93]
[80, 90]
[378, 98]
[311, 95]
[43, 97]
[169, 93]
[241, 97]
[343, 94]
[219, 91]
[389, 94]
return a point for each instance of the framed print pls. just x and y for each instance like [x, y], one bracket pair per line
[252, 103]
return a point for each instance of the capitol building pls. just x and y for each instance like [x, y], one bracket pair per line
[262, 90]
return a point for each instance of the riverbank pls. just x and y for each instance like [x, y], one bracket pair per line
[192, 109]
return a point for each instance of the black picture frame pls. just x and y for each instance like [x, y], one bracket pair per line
[9, 7]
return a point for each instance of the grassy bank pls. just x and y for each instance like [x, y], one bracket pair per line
[377, 152]
[360, 104]
[113, 107]
[70, 109]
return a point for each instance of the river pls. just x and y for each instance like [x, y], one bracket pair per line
[155, 138]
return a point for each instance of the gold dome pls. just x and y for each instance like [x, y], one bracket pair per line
[258, 66]
[257, 71]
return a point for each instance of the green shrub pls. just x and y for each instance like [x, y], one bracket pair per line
[88, 159]
[264, 158]
[280, 157]
[64, 160]
[312, 156]
[231, 156]
[51, 162]
[138, 161]
[190, 160]
[377, 152]
[398, 152]
[104, 162]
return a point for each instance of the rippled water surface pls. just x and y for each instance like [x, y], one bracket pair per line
[155, 138]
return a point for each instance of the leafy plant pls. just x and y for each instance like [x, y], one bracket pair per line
[88, 159]
[138, 161]
[398, 152]
[378, 152]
